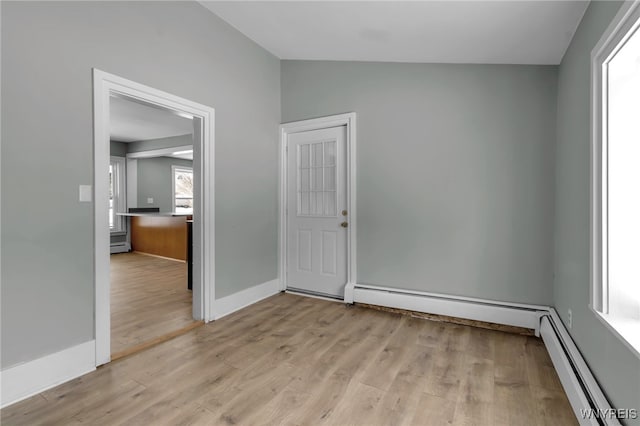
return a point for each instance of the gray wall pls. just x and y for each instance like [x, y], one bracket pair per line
[48, 51]
[155, 181]
[118, 149]
[455, 171]
[616, 368]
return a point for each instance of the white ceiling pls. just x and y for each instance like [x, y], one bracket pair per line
[131, 121]
[493, 32]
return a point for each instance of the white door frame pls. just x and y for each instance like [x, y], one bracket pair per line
[104, 85]
[349, 120]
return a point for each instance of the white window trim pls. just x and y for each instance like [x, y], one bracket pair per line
[174, 168]
[619, 31]
[120, 192]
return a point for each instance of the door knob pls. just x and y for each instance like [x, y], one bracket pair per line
[344, 224]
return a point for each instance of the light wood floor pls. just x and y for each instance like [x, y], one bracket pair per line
[301, 361]
[149, 298]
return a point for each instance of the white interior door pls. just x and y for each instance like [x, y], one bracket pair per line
[317, 218]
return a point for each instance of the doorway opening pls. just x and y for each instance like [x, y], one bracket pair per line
[154, 215]
[151, 199]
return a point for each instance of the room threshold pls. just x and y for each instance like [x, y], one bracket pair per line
[155, 341]
[314, 294]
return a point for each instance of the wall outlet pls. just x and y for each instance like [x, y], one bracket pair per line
[570, 318]
[149, 200]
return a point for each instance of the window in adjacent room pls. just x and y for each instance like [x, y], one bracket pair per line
[117, 197]
[616, 179]
[182, 189]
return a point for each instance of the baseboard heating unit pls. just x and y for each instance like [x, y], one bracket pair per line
[123, 247]
[587, 400]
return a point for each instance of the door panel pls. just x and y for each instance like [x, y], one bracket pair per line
[316, 193]
[329, 252]
[304, 250]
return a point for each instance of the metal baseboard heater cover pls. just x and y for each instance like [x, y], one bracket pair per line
[123, 247]
[517, 315]
[589, 404]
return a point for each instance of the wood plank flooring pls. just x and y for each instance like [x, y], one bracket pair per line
[149, 299]
[293, 360]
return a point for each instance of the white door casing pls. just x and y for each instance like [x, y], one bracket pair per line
[317, 215]
[287, 130]
[104, 86]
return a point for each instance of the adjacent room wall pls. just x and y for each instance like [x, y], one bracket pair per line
[615, 367]
[155, 181]
[48, 52]
[455, 171]
[151, 144]
[118, 149]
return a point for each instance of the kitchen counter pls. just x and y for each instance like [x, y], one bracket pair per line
[158, 214]
[161, 234]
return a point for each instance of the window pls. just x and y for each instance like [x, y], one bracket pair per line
[317, 179]
[182, 189]
[117, 197]
[615, 240]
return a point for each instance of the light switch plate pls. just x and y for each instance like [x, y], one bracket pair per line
[149, 200]
[84, 193]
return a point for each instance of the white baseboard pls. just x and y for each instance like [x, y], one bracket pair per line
[32, 377]
[518, 315]
[348, 292]
[236, 301]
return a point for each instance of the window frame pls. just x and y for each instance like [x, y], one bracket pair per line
[623, 26]
[175, 168]
[312, 190]
[120, 194]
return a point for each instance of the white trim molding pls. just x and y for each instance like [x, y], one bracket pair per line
[348, 120]
[30, 378]
[236, 301]
[106, 85]
[622, 27]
